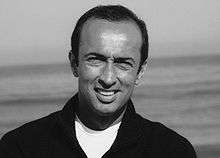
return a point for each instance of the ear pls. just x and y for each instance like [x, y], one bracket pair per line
[73, 64]
[141, 72]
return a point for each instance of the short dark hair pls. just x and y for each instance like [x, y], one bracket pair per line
[112, 13]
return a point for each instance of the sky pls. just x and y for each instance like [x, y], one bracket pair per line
[33, 32]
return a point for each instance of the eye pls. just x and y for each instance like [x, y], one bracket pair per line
[94, 61]
[124, 65]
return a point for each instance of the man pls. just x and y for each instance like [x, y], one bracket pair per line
[109, 53]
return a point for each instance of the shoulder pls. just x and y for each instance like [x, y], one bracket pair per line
[36, 127]
[162, 138]
[28, 135]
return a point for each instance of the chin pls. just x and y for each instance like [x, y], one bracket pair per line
[107, 109]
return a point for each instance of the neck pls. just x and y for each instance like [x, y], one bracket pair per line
[96, 121]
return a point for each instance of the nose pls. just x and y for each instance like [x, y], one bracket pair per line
[108, 77]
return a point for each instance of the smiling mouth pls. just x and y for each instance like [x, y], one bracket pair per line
[106, 96]
[105, 92]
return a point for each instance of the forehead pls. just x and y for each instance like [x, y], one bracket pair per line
[95, 30]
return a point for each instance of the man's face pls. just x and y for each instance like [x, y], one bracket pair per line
[109, 57]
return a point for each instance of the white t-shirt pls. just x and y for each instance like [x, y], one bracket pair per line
[95, 143]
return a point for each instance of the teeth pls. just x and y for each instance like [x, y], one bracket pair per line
[106, 93]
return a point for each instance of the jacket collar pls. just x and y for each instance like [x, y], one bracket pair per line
[129, 130]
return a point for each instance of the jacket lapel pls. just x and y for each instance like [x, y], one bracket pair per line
[130, 129]
[66, 122]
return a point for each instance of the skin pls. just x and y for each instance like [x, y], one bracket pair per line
[109, 58]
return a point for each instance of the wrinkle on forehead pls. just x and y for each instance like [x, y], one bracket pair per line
[113, 37]
[113, 41]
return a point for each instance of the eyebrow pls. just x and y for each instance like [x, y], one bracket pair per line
[121, 59]
[116, 59]
[95, 54]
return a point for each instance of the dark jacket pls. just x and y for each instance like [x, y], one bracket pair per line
[54, 137]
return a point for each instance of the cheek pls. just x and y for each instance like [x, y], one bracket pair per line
[127, 78]
[87, 73]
